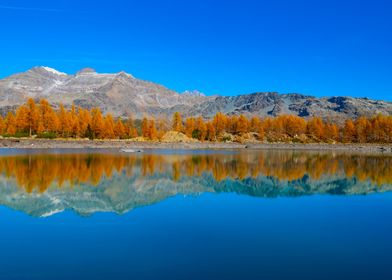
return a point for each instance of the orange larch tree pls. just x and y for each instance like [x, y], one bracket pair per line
[48, 118]
[2, 125]
[10, 123]
[201, 128]
[32, 116]
[65, 126]
[108, 131]
[119, 129]
[84, 117]
[211, 132]
[21, 119]
[242, 125]
[145, 128]
[177, 122]
[349, 132]
[97, 123]
[315, 128]
[153, 133]
[219, 122]
[190, 126]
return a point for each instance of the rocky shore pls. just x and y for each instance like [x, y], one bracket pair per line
[127, 144]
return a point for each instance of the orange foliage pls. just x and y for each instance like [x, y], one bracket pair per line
[39, 172]
[75, 122]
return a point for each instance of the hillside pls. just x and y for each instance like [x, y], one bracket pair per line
[122, 94]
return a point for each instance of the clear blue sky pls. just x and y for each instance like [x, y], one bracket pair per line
[314, 47]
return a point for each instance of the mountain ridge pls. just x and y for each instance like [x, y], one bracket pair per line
[121, 94]
[121, 194]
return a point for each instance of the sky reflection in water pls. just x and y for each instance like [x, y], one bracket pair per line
[188, 231]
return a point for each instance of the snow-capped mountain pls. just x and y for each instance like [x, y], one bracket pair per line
[122, 94]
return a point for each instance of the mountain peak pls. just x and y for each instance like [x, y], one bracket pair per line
[120, 94]
[48, 70]
[193, 93]
[86, 70]
[125, 74]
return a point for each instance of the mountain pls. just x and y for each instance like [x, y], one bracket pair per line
[122, 94]
[121, 194]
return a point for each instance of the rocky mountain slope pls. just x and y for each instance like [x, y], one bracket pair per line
[122, 94]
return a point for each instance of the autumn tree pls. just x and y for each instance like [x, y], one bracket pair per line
[211, 132]
[153, 133]
[294, 125]
[254, 124]
[130, 128]
[119, 129]
[260, 132]
[161, 128]
[190, 126]
[84, 117]
[219, 122]
[149, 130]
[97, 123]
[349, 131]
[177, 122]
[32, 116]
[200, 131]
[74, 122]
[65, 126]
[21, 119]
[362, 128]
[2, 125]
[274, 128]
[315, 128]
[10, 123]
[267, 125]
[231, 123]
[108, 131]
[331, 132]
[145, 128]
[47, 116]
[242, 125]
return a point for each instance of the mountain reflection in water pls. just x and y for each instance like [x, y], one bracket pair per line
[44, 184]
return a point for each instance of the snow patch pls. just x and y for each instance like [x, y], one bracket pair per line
[58, 83]
[50, 213]
[53, 71]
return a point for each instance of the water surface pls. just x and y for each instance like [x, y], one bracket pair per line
[195, 215]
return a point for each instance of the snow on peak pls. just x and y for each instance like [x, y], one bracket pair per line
[53, 71]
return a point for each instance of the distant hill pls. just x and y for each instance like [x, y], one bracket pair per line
[122, 94]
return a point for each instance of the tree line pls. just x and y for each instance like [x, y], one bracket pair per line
[42, 120]
[39, 172]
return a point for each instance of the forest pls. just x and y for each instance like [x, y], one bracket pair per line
[41, 120]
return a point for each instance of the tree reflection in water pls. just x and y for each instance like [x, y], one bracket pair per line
[38, 172]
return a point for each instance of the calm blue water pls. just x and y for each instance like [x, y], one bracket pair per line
[227, 232]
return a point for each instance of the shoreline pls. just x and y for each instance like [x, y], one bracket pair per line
[128, 144]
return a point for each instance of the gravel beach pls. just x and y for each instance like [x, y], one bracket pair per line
[127, 144]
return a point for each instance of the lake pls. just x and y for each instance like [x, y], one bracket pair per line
[166, 214]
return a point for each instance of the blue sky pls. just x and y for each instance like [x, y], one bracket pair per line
[321, 48]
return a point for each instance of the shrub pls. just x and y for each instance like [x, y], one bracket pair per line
[17, 135]
[47, 135]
